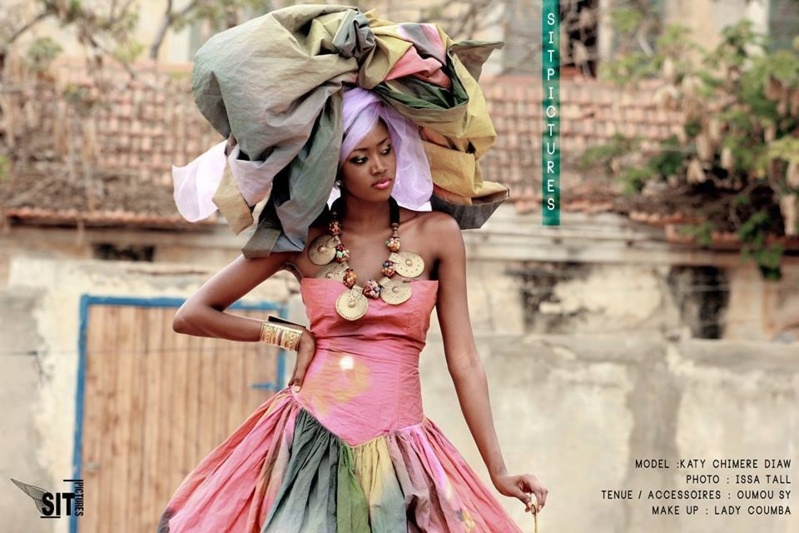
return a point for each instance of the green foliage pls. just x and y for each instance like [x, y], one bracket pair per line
[675, 41]
[738, 43]
[635, 25]
[41, 53]
[768, 259]
[671, 158]
[754, 233]
[782, 65]
[102, 27]
[674, 48]
[785, 148]
[633, 179]
[747, 157]
[626, 20]
[741, 127]
[606, 153]
[127, 52]
[740, 200]
[702, 233]
[692, 128]
[81, 100]
[629, 68]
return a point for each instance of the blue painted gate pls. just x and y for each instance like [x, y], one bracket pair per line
[151, 404]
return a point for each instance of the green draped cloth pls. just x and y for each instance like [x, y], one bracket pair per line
[273, 87]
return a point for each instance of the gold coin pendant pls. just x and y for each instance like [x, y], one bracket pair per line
[407, 264]
[322, 249]
[352, 304]
[395, 292]
[334, 271]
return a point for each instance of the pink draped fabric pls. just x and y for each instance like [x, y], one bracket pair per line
[362, 389]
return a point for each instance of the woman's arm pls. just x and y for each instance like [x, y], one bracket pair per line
[203, 313]
[464, 363]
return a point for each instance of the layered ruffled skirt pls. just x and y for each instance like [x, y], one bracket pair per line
[282, 471]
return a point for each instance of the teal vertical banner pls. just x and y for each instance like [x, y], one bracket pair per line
[550, 140]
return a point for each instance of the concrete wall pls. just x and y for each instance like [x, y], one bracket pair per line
[595, 370]
[21, 381]
[576, 410]
[601, 274]
[46, 322]
[592, 274]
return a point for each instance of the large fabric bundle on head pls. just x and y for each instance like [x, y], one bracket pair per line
[273, 88]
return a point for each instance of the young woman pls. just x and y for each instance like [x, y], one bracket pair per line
[346, 446]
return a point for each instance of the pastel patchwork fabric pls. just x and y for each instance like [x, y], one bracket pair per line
[272, 87]
[352, 452]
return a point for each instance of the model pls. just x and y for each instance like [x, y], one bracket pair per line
[346, 446]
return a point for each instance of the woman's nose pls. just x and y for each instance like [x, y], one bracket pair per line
[379, 166]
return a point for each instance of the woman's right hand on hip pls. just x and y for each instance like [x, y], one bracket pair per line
[305, 354]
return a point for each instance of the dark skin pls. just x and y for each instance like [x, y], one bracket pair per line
[433, 235]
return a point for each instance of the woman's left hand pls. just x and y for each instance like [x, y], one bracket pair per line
[521, 487]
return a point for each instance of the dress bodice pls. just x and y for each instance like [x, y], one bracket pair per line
[363, 381]
[398, 327]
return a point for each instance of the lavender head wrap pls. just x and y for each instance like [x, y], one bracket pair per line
[413, 183]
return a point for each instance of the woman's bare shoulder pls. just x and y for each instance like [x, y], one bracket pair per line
[437, 223]
[436, 234]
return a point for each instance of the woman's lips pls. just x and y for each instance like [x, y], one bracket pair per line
[382, 184]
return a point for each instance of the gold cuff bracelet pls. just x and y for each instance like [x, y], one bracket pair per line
[280, 335]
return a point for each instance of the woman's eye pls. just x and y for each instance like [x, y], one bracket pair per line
[361, 160]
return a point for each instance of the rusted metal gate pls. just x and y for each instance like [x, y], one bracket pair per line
[151, 404]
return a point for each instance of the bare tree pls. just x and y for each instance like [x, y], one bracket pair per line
[218, 14]
[106, 29]
[465, 19]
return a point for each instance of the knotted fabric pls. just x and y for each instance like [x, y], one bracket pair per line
[273, 88]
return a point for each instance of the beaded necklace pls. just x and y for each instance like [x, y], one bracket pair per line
[352, 304]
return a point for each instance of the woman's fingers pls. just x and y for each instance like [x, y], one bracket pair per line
[305, 355]
[531, 485]
[299, 371]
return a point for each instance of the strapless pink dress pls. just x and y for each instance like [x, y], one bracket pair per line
[351, 452]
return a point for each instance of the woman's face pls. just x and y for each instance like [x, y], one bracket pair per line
[369, 170]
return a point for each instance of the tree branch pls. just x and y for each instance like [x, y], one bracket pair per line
[17, 34]
[166, 22]
[132, 73]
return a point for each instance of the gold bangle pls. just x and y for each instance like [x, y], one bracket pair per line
[280, 335]
[292, 339]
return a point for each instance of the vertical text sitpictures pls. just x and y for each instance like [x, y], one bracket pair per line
[550, 142]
